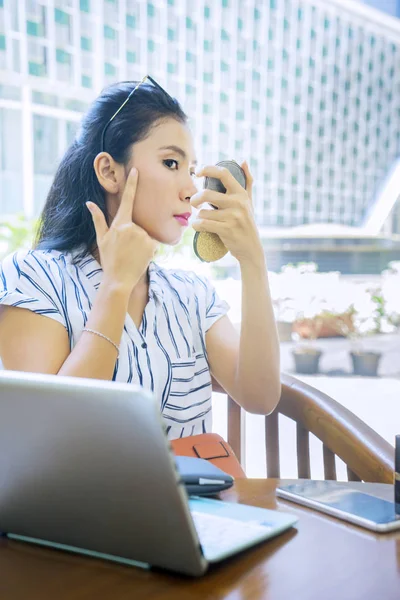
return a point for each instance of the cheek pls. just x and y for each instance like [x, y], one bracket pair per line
[150, 201]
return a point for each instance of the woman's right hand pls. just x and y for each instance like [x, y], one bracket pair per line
[125, 249]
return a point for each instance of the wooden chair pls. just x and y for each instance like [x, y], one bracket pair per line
[367, 455]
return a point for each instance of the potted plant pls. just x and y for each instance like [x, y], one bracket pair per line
[394, 319]
[306, 355]
[365, 362]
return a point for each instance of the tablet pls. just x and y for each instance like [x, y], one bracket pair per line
[343, 502]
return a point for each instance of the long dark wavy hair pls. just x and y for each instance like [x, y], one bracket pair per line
[66, 223]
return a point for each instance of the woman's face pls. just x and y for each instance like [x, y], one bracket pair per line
[165, 162]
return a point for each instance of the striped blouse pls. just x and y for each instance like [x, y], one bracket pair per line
[166, 354]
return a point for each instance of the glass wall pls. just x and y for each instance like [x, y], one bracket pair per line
[11, 192]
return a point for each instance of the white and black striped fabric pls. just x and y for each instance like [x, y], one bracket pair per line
[166, 355]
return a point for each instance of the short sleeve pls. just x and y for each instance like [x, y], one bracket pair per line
[214, 307]
[27, 281]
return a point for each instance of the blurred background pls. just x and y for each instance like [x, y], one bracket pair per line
[307, 91]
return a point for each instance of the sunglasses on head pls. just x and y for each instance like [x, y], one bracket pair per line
[153, 81]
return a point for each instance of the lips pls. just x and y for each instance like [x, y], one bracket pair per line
[183, 219]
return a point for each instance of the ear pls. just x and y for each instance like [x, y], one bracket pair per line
[108, 172]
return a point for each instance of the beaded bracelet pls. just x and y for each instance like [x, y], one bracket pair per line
[103, 336]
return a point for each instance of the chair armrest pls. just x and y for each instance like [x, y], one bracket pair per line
[363, 450]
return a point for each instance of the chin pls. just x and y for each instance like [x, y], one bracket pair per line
[168, 238]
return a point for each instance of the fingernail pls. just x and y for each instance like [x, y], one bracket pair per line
[89, 206]
[133, 171]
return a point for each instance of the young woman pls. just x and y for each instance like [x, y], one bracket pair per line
[89, 301]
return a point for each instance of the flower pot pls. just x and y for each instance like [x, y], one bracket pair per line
[307, 363]
[284, 331]
[365, 363]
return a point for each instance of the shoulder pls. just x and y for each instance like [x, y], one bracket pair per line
[35, 264]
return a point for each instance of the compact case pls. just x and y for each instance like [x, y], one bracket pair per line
[207, 246]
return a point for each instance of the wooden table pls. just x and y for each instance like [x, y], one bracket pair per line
[320, 559]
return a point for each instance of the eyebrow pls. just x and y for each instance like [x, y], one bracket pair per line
[179, 151]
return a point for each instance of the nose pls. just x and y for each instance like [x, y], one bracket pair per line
[189, 189]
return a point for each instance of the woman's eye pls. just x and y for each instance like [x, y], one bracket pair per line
[168, 162]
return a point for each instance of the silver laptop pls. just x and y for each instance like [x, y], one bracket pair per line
[85, 466]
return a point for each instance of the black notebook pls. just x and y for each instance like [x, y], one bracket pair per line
[202, 477]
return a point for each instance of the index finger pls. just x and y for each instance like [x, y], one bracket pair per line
[224, 175]
[124, 212]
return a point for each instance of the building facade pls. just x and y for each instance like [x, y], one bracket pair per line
[307, 90]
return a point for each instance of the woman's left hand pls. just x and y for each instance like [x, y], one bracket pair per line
[234, 221]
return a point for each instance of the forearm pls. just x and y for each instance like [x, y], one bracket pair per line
[94, 356]
[258, 369]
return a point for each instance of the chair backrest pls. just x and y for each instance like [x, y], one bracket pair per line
[367, 455]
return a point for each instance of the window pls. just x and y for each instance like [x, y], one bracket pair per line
[35, 29]
[36, 69]
[45, 134]
[109, 32]
[63, 57]
[86, 43]
[109, 69]
[61, 17]
[11, 179]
